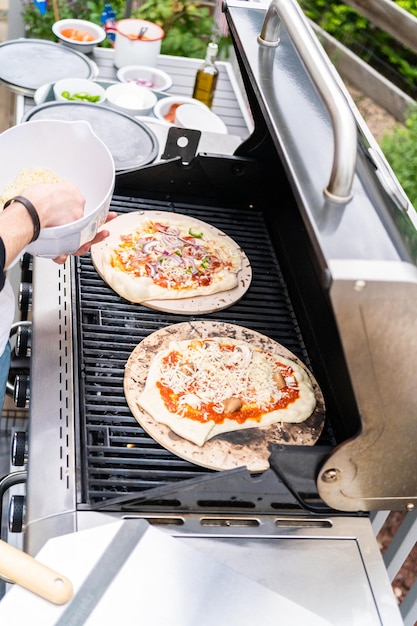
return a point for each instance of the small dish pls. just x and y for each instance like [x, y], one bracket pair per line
[131, 98]
[165, 108]
[80, 35]
[146, 76]
[79, 90]
[196, 118]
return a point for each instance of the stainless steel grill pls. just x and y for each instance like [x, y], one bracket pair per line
[326, 270]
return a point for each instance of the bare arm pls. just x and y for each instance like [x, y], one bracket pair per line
[56, 204]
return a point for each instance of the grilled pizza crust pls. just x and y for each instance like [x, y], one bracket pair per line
[169, 272]
[198, 432]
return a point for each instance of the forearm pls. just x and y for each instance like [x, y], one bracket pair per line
[54, 204]
[16, 230]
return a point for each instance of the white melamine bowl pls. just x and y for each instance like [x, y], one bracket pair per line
[62, 29]
[75, 87]
[145, 76]
[73, 152]
[131, 98]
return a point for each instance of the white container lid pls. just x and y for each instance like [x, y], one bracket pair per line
[197, 118]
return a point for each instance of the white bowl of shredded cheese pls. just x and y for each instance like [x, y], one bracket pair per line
[51, 151]
[131, 98]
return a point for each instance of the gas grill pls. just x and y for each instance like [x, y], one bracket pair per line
[332, 245]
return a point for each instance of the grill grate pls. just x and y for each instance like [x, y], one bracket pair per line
[120, 458]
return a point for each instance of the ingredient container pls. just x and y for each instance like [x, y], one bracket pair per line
[137, 43]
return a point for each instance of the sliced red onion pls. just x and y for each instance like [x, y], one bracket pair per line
[175, 258]
[149, 245]
[189, 242]
[169, 230]
[152, 269]
[191, 264]
[171, 241]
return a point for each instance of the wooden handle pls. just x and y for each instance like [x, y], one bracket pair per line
[25, 571]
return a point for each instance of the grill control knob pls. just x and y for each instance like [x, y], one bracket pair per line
[25, 299]
[17, 512]
[21, 391]
[23, 341]
[19, 449]
[26, 262]
[26, 265]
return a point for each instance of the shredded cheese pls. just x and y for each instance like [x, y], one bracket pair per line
[24, 179]
[219, 372]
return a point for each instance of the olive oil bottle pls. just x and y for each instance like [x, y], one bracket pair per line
[206, 77]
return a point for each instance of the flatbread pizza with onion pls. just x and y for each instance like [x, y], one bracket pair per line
[154, 256]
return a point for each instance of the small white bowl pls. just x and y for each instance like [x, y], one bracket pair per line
[131, 98]
[145, 76]
[76, 88]
[62, 30]
[167, 107]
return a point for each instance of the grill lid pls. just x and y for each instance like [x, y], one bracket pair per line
[366, 248]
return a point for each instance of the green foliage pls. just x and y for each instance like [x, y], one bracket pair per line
[400, 149]
[373, 45]
[408, 5]
[40, 26]
[188, 26]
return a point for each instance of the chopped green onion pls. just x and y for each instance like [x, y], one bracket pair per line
[82, 96]
[193, 234]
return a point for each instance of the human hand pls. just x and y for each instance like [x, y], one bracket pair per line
[56, 203]
[100, 236]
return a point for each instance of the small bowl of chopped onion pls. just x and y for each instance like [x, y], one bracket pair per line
[145, 76]
[79, 90]
[80, 35]
[131, 98]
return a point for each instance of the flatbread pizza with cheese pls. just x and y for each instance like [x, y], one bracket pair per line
[221, 395]
[151, 256]
[202, 388]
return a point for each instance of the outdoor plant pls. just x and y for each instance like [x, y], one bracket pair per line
[400, 149]
[188, 26]
[39, 26]
[371, 44]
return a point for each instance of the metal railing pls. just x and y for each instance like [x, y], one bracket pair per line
[391, 18]
[396, 554]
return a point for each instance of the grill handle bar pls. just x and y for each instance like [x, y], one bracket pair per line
[288, 12]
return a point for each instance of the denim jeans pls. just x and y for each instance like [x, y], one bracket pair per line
[4, 373]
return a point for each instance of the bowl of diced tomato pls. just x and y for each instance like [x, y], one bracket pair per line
[81, 35]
